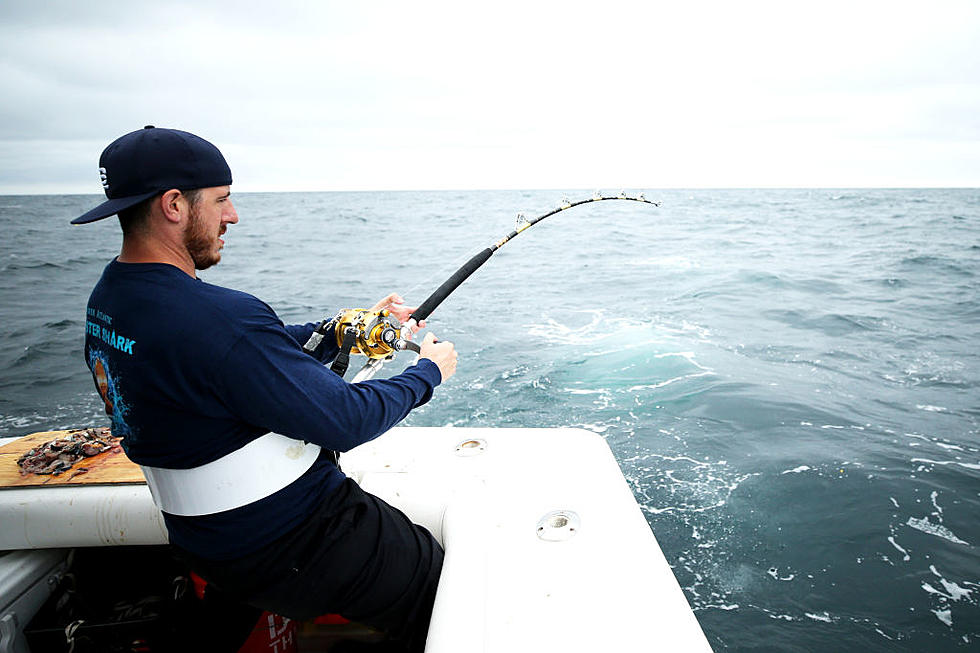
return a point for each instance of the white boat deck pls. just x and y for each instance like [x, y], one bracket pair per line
[546, 548]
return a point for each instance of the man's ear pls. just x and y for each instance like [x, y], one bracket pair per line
[174, 205]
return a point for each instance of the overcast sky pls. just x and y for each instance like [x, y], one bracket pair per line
[460, 95]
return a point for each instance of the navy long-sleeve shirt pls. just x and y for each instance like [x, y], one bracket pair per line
[190, 372]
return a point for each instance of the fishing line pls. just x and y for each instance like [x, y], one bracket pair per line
[434, 275]
[523, 223]
[378, 335]
[437, 272]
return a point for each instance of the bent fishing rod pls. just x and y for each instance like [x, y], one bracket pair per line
[379, 335]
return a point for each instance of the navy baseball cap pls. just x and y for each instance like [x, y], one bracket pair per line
[150, 161]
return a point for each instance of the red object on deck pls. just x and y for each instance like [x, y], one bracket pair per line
[271, 634]
[199, 585]
[331, 620]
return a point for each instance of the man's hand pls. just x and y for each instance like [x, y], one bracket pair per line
[396, 306]
[442, 354]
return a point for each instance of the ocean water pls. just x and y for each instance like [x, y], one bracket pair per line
[789, 379]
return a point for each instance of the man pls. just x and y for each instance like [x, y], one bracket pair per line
[232, 422]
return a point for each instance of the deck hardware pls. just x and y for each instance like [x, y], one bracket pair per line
[558, 525]
[471, 447]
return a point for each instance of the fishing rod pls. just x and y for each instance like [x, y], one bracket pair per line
[379, 335]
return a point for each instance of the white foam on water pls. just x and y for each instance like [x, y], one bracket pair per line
[946, 462]
[824, 617]
[557, 332]
[658, 511]
[686, 355]
[797, 470]
[931, 409]
[932, 590]
[595, 428]
[686, 328]
[618, 330]
[19, 421]
[938, 530]
[956, 592]
[654, 386]
[945, 616]
[699, 463]
[878, 630]
[903, 551]
[895, 503]
[695, 486]
[772, 571]
[954, 447]
[953, 591]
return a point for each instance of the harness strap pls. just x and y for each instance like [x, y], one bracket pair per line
[260, 468]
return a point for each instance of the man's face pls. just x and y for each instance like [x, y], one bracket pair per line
[209, 219]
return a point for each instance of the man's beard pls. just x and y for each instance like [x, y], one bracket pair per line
[201, 244]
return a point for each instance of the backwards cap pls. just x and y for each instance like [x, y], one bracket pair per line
[152, 160]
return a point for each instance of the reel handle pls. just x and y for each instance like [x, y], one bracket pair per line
[401, 345]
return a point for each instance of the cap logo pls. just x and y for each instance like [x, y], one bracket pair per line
[104, 177]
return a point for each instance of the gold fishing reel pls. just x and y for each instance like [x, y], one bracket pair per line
[374, 334]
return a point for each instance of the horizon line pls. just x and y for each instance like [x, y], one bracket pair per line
[4, 193]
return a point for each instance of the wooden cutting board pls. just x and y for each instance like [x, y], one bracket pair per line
[107, 468]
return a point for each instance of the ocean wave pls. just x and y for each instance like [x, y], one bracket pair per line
[61, 325]
[34, 265]
[942, 264]
[831, 324]
[837, 197]
[675, 262]
[34, 354]
[928, 369]
[896, 283]
[947, 462]
[600, 327]
[797, 470]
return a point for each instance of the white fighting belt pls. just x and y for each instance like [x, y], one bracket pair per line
[260, 468]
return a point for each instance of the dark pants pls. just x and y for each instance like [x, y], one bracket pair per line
[356, 556]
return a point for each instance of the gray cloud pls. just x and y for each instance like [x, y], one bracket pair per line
[447, 93]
